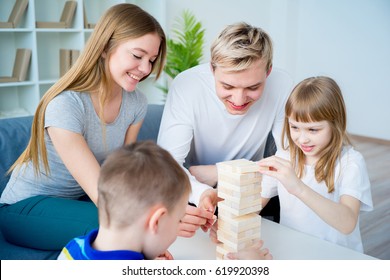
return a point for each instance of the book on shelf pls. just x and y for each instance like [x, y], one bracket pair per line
[68, 13]
[67, 59]
[21, 64]
[87, 25]
[8, 80]
[74, 56]
[6, 24]
[47, 24]
[16, 14]
[66, 19]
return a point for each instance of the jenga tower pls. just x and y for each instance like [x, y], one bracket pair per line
[239, 184]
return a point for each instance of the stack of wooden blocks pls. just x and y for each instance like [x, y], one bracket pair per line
[239, 224]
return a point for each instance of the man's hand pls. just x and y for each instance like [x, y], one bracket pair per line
[195, 217]
[213, 233]
[208, 201]
[206, 174]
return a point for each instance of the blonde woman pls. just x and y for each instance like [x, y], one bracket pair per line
[92, 110]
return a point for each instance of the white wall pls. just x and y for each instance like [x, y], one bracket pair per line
[348, 40]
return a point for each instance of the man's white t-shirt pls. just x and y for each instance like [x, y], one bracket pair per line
[197, 130]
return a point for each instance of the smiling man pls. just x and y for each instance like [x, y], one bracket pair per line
[223, 110]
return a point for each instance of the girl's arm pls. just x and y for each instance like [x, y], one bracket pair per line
[78, 159]
[342, 215]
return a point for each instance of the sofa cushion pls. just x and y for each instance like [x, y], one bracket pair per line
[14, 137]
[151, 124]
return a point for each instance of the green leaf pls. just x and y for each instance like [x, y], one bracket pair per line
[185, 48]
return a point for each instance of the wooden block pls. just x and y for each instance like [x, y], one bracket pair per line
[243, 204]
[222, 250]
[237, 246]
[22, 62]
[219, 256]
[44, 24]
[231, 165]
[238, 166]
[65, 61]
[240, 197]
[239, 179]
[236, 195]
[252, 233]
[68, 13]
[225, 225]
[242, 220]
[222, 185]
[238, 212]
[17, 12]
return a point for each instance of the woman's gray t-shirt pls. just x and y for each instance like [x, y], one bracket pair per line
[74, 111]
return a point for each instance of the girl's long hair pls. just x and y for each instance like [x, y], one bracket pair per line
[312, 100]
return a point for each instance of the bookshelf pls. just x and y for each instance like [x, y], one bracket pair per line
[47, 29]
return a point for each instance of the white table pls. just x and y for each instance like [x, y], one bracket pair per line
[283, 243]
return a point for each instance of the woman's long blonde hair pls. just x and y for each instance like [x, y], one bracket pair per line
[90, 73]
[312, 100]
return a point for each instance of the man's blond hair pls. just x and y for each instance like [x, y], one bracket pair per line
[239, 45]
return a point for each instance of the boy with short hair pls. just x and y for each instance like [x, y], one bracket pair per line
[143, 193]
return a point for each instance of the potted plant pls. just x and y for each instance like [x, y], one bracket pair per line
[185, 49]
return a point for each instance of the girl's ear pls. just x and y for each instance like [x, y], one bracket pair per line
[155, 218]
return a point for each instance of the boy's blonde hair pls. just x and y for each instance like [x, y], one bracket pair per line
[312, 100]
[90, 73]
[135, 178]
[239, 45]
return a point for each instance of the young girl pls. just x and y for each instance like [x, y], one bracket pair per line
[322, 182]
[92, 110]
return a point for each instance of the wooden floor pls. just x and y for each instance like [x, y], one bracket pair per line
[375, 225]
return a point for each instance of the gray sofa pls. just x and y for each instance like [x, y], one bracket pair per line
[14, 136]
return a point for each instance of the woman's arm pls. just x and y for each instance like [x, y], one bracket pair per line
[132, 133]
[78, 159]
